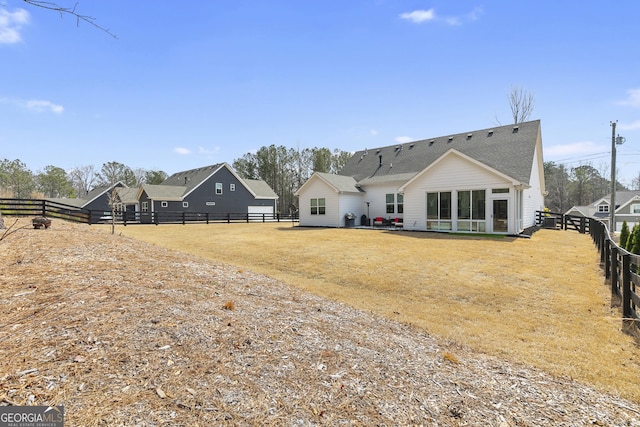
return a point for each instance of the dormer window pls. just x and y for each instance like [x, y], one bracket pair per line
[603, 208]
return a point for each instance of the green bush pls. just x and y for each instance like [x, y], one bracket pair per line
[624, 235]
[633, 243]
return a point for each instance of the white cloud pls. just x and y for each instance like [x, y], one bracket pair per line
[573, 149]
[633, 99]
[419, 16]
[41, 106]
[203, 150]
[10, 25]
[629, 126]
[403, 139]
[181, 150]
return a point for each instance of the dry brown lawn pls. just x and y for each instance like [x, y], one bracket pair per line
[269, 324]
[541, 301]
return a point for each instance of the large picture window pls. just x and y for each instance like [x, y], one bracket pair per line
[439, 211]
[318, 206]
[471, 211]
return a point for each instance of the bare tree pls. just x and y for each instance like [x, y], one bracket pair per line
[73, 11]
[83, 179]
[521, 103]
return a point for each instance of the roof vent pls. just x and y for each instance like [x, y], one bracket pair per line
[450, 138]
[469, 135]
[377, 151]
[490, 133]
[515, 129]
[432, 141]
[411, 145]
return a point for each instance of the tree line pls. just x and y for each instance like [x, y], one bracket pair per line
[284, 169]
[17, 180]
[576, 186]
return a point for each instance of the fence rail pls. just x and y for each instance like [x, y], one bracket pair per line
[621, 268]
[564, 222]
[39, 207]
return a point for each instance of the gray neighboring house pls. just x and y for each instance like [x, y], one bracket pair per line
[210, 189]
[627, 209]
[96, 201]
[484, 181]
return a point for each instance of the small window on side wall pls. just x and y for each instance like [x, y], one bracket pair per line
[164, 204]
[232, 187]
[185, 204]
[318, 206]
[218, 188]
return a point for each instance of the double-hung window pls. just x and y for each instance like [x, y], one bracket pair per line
[318, 206]
[218, 188]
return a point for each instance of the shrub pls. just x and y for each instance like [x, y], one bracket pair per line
[633, 243]
[624, 235]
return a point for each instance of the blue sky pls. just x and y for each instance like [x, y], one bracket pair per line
[192, 83]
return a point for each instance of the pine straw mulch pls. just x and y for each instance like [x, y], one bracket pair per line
[124, 333]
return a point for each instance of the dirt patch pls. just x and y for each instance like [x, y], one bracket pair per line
[124, 333]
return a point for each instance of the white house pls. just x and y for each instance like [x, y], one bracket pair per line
[484, 181]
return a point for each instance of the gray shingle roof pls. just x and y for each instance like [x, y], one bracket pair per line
[166, 192]
[191, 178]
[345, 184]
[508, 149]
[261, 189]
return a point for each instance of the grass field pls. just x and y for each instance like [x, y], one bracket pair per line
[540, 301]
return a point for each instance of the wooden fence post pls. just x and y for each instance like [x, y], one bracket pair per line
[626, 286]
[607, 259]
[615, 290]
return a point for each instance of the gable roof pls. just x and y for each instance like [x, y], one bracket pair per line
[162, 192]
[339, 183]
[622, 198]
[508, 149]
[454, 152]
[189, 180]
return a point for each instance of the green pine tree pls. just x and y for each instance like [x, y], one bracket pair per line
[624, 235]
[633, 243]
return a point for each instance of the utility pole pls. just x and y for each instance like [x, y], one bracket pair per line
[612, 207]
[612, 204]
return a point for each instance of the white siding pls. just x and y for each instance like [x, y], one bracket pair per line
[450, 174]
[533, 199]
[316, 189]
[377, 196]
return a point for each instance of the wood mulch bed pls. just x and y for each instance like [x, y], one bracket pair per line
[124, 333]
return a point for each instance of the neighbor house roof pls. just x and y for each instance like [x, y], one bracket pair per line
[261, 189]
[162, 192]
[507, 149]
[127, 195]
[192, 178]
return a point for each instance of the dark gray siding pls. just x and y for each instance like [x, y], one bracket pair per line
[227, 202]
